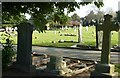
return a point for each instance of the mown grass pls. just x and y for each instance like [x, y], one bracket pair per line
[49, 36]
[89, 37]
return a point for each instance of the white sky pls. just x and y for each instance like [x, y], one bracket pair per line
[108, 4]
[84, 10]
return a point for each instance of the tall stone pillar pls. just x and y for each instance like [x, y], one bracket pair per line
[24, 48]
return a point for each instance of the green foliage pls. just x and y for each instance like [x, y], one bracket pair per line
[7, 51]
[60, 18]
[118, 16]
[90, 16]
[40, 9]
[75, 17]
[13, 20]
[39, 22]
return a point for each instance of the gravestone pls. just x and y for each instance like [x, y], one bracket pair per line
[100, 37]
[105, 69]
[75, 28]
[62, 27]
[24, 48]
[80, 34]
[57, 66]
[86, 28]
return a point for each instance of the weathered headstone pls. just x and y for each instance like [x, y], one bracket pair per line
[24, 48]
[105, 69]
[100, 38]
[62, 27]
[75, 28]
[80, 34]
[66, 27]
[55, 31]
[86, 28]
[57, 66]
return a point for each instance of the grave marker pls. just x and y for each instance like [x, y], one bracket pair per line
[86, 28]
[80, 34]
[100, 37]
[57, 66]
[24, 48]
[105, 69]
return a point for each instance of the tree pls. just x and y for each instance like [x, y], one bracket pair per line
[99, 15]
[75, 17]
[90, 16]
[111, 12]
[118, 16]
[39, 10]
[57, 18]
[13, 20]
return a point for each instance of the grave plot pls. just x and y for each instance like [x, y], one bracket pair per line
[68, 34]
[76, 66]
[67, 41]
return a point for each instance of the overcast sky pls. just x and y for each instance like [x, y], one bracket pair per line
[84, 10]
[108, 4]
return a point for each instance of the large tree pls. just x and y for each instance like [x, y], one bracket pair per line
[75, 17]
[99, 15]
[90, 16]
[39, 10]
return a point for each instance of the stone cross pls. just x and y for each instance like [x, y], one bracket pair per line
[24, 47]
[107, 27]
[105, 69]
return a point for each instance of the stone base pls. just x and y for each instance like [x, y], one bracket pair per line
[95, 74]
[104, 71]
[31, 69]
[57, 66]
[58, 69]
[58, 72]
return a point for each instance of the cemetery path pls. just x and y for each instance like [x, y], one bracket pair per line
[75, 53]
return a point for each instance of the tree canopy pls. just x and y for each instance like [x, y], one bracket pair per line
[75, 17]
[39, 10]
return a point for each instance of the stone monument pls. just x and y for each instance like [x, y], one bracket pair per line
[24, 48]
[80, 33]
[57, 66]
[105, 69]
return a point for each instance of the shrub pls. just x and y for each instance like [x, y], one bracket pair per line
[7, 52]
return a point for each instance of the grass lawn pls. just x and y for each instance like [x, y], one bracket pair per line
[89, 37]
[46, 38]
